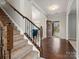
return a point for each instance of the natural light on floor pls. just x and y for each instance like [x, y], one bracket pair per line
[56, 43]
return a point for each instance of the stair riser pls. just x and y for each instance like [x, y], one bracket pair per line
[16, 33]
[26, 53]
[20, 42]
[19, 45]
[32, 55]
[17, 38]
[20, 56]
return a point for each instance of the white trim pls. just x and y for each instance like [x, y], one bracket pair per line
[68, 11]
[77, 29]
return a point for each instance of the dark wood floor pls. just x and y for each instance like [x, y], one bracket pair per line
[55, 48]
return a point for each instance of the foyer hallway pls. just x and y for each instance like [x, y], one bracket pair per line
[55, 48]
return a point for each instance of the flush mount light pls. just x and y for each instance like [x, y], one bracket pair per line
[53, 7]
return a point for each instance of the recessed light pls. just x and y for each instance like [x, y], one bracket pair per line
[53, 7]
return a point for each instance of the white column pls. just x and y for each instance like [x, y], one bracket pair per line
[77, 29]
[67, 14]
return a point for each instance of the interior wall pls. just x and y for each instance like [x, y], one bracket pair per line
[61, 17]
[24, 6]
[39, 19]
[72, 26]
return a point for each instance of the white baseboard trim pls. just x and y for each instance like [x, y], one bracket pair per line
[59, 37]
[74, 39]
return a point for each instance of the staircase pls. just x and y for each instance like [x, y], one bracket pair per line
[21, 48]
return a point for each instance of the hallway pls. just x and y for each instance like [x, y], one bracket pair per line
[55, 48]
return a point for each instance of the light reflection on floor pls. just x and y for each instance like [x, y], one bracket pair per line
[56, 44]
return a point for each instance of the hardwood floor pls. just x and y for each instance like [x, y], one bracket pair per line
[55, 48]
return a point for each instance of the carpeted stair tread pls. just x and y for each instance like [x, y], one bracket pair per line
[20, 53]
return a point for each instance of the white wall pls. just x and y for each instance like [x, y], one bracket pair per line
[39, 19]
[72, 26]
[61, 17]
[27, 9]
[24, 6]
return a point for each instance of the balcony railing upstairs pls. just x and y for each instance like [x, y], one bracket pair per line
[31, 30]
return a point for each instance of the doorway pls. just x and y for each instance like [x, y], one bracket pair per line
[53, 28]
[56, 28]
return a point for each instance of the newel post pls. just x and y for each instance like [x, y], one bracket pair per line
[41, 37]
[41, 32]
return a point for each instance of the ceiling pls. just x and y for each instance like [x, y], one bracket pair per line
[45, 4]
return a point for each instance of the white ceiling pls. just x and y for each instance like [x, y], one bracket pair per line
[44, 4]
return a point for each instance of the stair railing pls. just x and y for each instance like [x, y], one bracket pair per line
[32, 31]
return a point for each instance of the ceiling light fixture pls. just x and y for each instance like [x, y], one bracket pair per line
[53, 7]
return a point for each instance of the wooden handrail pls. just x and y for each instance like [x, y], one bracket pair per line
[21, 14]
